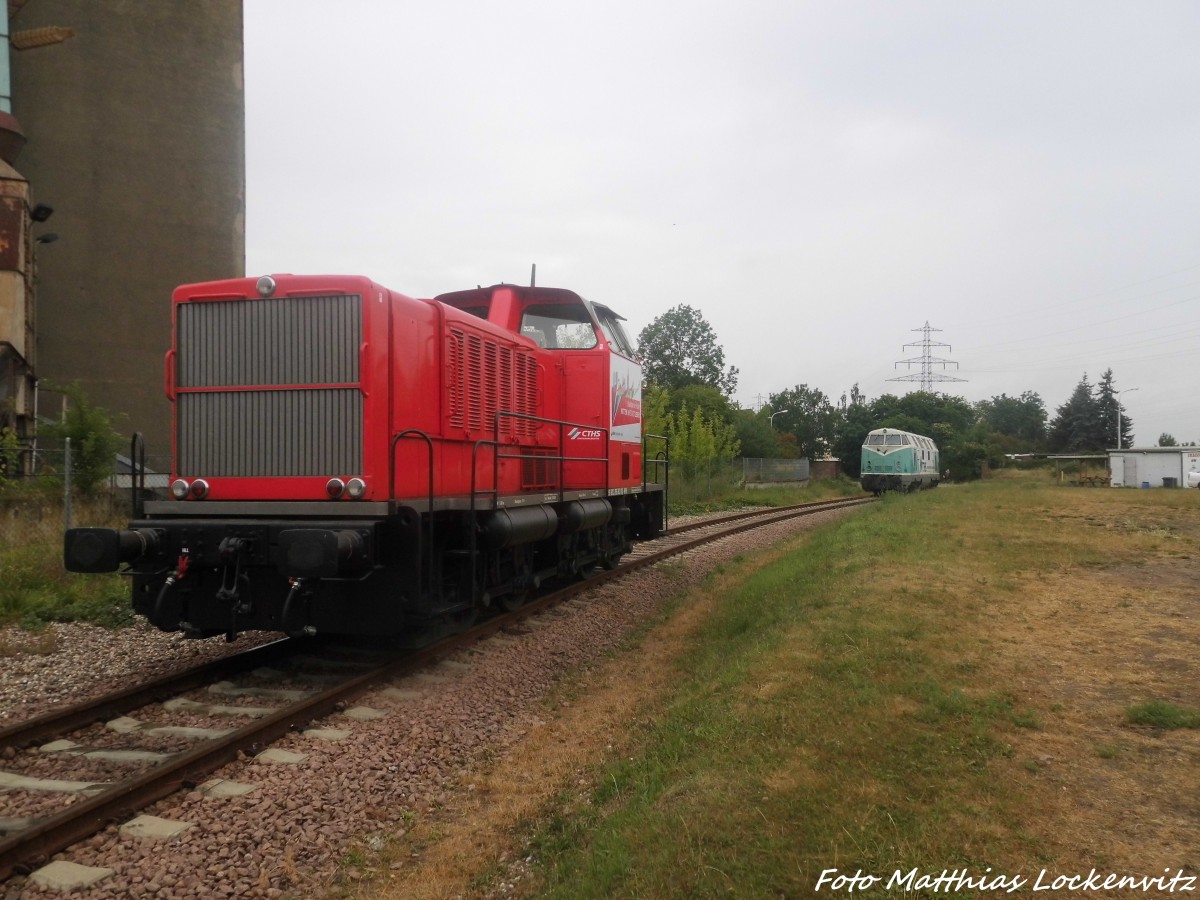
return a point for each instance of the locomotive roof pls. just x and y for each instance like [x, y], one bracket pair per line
[917, 438]
[895, 431]
[541, 294]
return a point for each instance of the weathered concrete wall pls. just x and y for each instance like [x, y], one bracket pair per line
[136, 137]
[826, 468]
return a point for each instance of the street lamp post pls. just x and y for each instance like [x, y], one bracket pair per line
[777, 413]
[1119, 393]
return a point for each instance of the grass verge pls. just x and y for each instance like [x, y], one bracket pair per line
[837, 710]
[34, 587]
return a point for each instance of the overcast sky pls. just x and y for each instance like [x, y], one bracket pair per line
[818, 179]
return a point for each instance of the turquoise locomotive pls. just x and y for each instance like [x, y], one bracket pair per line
[894, 460]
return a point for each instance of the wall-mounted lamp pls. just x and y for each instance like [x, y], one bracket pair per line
[41, 212]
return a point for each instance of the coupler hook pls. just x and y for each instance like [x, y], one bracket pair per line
[230, 552]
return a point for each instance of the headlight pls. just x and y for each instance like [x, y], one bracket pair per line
[356, 487]
[179, 488]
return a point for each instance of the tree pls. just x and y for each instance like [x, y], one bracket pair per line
[699, 446]
[698, 443]
[754, 432]
[655, 409]
[679, 348]
[853, 420]
[10, 448]
[1167, 440]
[964, 453]
[703, 397]
[1076, 425]
[1110, 414]
[1021, 418]
[94, 443]
[809, 416]
[921, 411]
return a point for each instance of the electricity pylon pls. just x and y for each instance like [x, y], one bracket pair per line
[927, 361]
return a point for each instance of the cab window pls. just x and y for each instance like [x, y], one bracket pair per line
[559, 327]
[610, 324]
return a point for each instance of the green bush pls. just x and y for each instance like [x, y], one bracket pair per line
[94, 442]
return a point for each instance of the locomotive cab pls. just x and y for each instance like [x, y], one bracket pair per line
[592, 381]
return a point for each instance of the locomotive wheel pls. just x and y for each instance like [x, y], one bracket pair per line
[514, 600]
[462, 620]
[523, 584]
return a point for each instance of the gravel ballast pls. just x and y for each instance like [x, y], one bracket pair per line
[305, 825]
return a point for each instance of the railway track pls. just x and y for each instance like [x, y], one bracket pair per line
[27, 844]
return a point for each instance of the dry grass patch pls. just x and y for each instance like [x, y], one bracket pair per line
[1081, 650]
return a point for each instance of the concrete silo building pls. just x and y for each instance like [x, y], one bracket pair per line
[133, 115]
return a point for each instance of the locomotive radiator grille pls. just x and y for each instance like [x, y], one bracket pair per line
[239, 434]
[289, 364]
[250, 343]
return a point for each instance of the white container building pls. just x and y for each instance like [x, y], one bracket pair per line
[1153, 466]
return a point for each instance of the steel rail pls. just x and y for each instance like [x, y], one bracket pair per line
[58, 721]
[813, 505]
[32, 846]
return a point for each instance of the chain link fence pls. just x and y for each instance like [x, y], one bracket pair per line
[38, 501]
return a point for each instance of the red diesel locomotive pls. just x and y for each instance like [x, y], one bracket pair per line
[350, 460]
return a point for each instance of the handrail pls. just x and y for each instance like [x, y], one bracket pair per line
[137, 473]
[661, 462]
[661, 459]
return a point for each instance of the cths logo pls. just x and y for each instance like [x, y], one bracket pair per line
[585, 434]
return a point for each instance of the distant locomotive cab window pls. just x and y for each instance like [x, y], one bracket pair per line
[875, 439]
[559, 327]
[893, 440]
